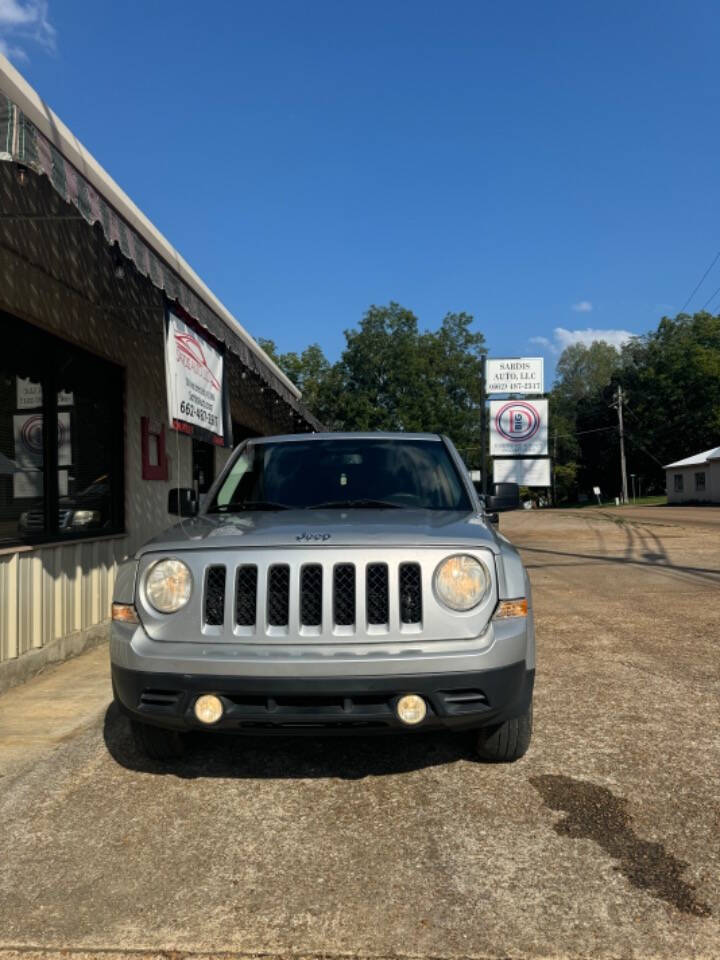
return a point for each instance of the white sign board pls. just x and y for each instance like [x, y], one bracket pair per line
[29, 395]
[518, 428]
[526, 473]
[194, 371]
[515, 375]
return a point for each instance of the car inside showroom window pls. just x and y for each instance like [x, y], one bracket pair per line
[67, 483]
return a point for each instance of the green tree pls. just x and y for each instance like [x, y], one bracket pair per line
[393, 376]
[671, 385]
[671, 379]
[309, 370]
[583, 375]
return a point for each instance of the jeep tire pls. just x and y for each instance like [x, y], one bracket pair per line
[507, 742]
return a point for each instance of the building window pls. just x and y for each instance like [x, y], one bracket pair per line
[678, 482]
[65, 481]
[700, 481]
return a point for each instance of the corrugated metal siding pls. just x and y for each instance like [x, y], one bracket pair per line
[52, 592]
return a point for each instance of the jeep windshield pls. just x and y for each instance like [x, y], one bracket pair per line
[333, 474]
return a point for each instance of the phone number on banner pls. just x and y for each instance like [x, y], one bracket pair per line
[192, 412]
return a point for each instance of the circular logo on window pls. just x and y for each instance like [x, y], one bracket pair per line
[31, 433]
[517, 421]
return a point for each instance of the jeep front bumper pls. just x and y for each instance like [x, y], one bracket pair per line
[355, 704]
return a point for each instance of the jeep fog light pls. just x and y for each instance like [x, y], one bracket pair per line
[461, 582]
[411, 709]
[208, 708]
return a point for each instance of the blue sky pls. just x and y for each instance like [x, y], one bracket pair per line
[551, 168]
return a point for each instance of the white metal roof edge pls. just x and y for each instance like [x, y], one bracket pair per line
[697, 460]
[14, 85]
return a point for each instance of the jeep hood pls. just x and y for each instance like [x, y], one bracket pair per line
[332, 528]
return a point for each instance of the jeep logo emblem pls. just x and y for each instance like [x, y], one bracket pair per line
[312, 537]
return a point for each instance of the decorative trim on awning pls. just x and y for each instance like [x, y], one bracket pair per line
[23, 143]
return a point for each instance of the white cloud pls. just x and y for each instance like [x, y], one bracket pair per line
[23, 21]
[12, 52]
[582, 306]
[565, 338]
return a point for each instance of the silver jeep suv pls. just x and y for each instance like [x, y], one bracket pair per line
[332, 583]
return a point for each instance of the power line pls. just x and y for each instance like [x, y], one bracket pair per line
[711, 298]
[702, 280]
[633, 439]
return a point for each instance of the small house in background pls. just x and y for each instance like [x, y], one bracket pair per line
[695, 478]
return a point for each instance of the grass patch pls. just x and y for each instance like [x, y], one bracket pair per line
[659, 500]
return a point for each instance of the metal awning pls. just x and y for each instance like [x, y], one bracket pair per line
[32, 136]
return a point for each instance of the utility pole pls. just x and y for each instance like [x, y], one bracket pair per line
[554, 463]
[623, 467]
[484, 427]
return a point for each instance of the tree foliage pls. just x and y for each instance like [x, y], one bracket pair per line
[671, 385]
[394, 376]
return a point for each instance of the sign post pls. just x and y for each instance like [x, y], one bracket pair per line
[517, 428]
[484, 427]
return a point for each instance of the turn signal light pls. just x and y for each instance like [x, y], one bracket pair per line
[125, 613]
[511, 608]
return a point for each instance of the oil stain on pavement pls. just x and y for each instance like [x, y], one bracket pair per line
[594, 813]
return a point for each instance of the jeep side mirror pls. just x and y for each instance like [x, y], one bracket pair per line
[505, 496]
[182, 501]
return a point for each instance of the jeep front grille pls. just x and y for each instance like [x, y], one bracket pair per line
[344, 594]
[376, 593]
[246, 595]
[345, 598]
[215, 596]
[278, 595]
[410, 593]
[311, 595]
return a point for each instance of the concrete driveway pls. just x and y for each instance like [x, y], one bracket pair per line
[603, 842]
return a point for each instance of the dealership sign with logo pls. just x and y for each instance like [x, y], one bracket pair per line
[514, 375]
[518, 428]
[195, 381]
[526, 473]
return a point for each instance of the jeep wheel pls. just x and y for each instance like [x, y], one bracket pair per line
[509, 741]
[157, 743]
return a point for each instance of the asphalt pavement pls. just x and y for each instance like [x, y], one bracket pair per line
[603, 842]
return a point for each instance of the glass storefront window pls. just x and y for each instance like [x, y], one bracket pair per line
[68, 482]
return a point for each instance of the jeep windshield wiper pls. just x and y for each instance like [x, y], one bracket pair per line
[361, 504]
[242, 505]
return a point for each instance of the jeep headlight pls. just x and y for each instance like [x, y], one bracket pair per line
[461, 582]
[168, 585]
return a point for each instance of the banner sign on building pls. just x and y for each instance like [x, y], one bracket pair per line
[195, 382]
[518, 428]
[515, 375]
[526, 473]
